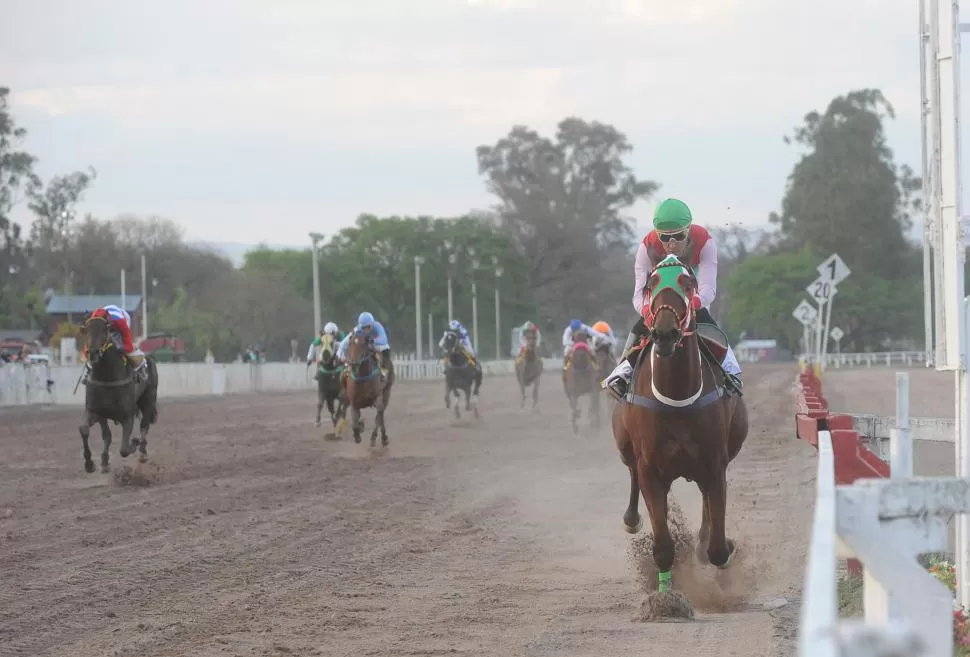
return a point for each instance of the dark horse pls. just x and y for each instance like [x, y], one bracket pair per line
[113, 394]
[579, 378]
[366, 385]
[329, 389]
[676, 420]
[460, 374]
[528, 369]
[604, 360]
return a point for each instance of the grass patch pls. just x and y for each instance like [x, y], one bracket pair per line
[850, 596]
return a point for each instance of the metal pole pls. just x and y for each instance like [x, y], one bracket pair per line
[828, 325]
[936, 181]
[417, 303]
[927, 177]
[430, 335]
[900, 439]
[124, 299]
[475, 315]
[317, 323]
[451, 301]
[817, 347]
[498, 324]
[144, 299]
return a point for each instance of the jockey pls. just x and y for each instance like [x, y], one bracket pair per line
[575, 326]
[524, 330]
[120, 321]
[466, 342]
[674, 233]
[610, 339]
[367, 325]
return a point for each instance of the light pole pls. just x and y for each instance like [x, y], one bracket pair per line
[452, 259]
[418, 261]
[475, 264]
[144, 299]
[315, 239]
[498, 315]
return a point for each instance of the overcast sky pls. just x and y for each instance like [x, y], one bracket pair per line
[260, 120]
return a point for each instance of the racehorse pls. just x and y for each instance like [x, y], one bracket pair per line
[460, 374]
[329, 369]
[528, 369]
[579, 378]
[604, 360]
[366, 385]
[112, 394]
[676, 420]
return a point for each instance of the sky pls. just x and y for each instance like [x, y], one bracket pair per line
[262, 120]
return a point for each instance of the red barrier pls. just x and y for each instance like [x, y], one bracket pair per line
[852, 459]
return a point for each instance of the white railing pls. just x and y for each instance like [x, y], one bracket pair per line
[39, 383]
[885, 524]
[876, 359]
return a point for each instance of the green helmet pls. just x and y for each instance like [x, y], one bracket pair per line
[672, 216]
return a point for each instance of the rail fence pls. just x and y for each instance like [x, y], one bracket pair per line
[41, 383]
[883, 518]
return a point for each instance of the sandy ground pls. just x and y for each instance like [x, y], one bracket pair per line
[247, 533]
[873, 391]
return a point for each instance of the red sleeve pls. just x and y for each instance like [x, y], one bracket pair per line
[122, 327]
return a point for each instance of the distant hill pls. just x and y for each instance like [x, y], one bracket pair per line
[235, 251]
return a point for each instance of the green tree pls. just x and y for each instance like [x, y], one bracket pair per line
[562, 202]
[846, 194]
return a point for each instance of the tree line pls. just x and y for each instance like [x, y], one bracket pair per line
[559, 231]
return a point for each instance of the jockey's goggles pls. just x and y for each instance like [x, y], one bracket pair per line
[679, 236]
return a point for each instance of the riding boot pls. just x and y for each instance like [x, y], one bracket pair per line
[618, 380]
[386, 362]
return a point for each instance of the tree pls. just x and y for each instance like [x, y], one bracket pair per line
[17, 179]
[846, 194]
[562, 202]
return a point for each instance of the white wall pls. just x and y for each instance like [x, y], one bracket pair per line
[28, 384]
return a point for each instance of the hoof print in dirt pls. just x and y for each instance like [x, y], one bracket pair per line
[138, 476]
[331, 436]
[669, 605]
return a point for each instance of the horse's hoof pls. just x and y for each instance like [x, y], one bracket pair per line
[124, 453]
[357, 439]
[732, 552]
[635, 528]
[89, 466]
[142, 457]
[105, 469]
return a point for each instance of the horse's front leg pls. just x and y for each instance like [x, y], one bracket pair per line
[85, 430]
[143, 428]
[704, 533]
[720, 549]
[320, 396]
[126, 429]
[632, 521]
[379, 423]
[535, 392]
[447, 392]
[355, 422]
[655, 496]
[105, 445]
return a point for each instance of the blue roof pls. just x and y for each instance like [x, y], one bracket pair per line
[78, 304]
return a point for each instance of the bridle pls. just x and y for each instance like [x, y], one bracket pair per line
[687, 285]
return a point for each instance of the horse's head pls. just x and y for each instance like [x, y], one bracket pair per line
[451, 343]
[96, 333]
[361, 354]
[580, 337]
[668, 312]
[328, 349]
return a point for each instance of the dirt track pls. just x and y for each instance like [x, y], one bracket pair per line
[257, 537]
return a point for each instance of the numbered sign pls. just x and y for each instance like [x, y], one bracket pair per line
[805, 313]
[821, 290]
[833, 269]
[837, 334]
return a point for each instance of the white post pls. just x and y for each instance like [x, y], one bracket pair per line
[819, 325]
[418, 260]
[900, 438]
[828, 325]
[838, 346]
[124, 299]
[317, 321]
[144, 299]
[430, 335]
[806, 341]
[927, 177]
[498, 324]
[950, 260]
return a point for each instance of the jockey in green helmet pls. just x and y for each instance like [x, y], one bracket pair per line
[674, 232]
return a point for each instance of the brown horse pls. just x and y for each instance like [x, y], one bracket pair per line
[676, 420]
[579, 377]
[367, 384]
[528, 369]
[605, 360]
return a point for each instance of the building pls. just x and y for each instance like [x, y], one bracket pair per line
[74, 308]
[756, 351]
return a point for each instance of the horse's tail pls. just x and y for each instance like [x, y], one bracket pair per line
[148, 404]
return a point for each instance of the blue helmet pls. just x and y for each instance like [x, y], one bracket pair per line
[365, 319]
[575, 325]
[454, 325]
